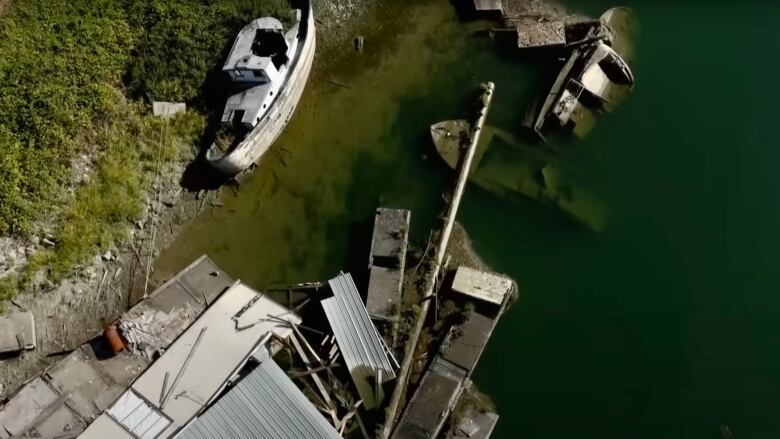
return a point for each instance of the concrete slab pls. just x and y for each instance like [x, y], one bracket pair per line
[26, 406]
[168, 109]
[17, 332]
[76, 378]
[122, 368]
[480, 285]
[61, 423]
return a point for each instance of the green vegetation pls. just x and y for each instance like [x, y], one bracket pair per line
[185, 43]
[100, 211]
[59, 67]
[7, 290]
[65, 68]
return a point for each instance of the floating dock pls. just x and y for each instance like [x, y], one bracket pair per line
[448, 375]
[386, 268]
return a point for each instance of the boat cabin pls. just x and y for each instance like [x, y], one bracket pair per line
[257, 65]
[603, 82]
[258, 53]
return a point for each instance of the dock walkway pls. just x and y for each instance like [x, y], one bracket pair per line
[450, 372]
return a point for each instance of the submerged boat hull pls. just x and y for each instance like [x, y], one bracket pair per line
[517, 171]
[257, 142]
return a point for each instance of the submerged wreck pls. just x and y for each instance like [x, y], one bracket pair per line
[505, 167]
[595, 78]
[268, 66]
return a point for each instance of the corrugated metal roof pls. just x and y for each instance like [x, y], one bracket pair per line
[265, 404]
[357, 337]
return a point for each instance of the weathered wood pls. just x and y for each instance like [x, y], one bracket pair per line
[444, 238]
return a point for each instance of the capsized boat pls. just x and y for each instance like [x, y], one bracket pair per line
[268, 67]
[505, 167]
[595, 78]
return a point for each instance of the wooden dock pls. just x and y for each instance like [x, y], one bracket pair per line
[448, 375]
[441, 249]
[386, 268]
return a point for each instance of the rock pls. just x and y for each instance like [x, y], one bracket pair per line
[108, 256]
[139, 224]
[35, 240]
[170, 200]
[47, 242]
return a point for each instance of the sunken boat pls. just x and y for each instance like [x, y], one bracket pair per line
[503, 166]
[595, 78]
[268, 67]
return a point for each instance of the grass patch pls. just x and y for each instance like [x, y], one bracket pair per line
[8, 287]
[101, 210]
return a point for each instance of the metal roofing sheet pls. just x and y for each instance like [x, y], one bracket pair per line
[356, 335]
[265, 404]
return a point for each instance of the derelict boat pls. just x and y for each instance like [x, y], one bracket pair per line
[269, 66]
[504, 167]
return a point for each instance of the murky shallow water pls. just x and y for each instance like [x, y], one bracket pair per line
[665, 324]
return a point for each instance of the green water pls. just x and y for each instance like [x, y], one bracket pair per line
[664, 325]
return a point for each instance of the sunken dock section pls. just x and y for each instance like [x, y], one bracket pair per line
[485, 297]
[64, 399]
[386, 265]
